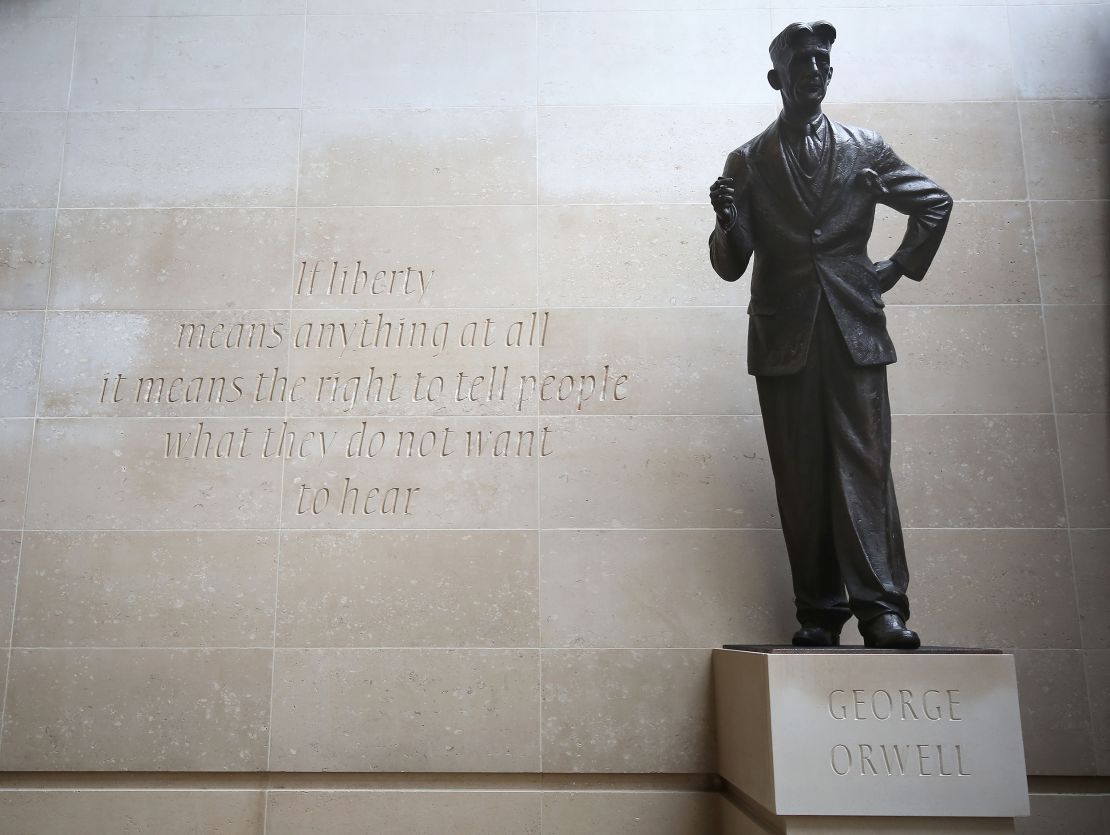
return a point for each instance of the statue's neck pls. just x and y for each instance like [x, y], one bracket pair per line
[800, 115]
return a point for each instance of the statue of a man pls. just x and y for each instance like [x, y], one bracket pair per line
[801, 196]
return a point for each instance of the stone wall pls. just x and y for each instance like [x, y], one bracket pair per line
[516, 190]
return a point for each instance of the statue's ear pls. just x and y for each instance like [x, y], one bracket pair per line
[827, 80]
[773, 79]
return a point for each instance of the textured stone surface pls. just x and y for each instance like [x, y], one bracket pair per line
[45, 42]
[450, 157]
[9, 567]
[1065, 814]
[165, 259]
[169, 812]
[977, 359]
[181, 158]
[406, 710]
[994, 588]
[627, 710]
[1055, 712]
[1064, 156]
[15, 452]
[145, 589]
[33, 145]
[382, 61]
[629, 813]
[664, 588]
[1077, 345]
[1071, 241]
[25, 267]
[404, 813]
[427, 588]
[1062, 51]
[185, 63]
[1091, 550]
[20, 344]
[136, 710]
[1097, 667]
[1084, 448]
[995, 471]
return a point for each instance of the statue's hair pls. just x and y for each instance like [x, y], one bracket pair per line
[786, 40]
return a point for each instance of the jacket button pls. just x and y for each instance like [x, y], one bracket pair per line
[817, 233]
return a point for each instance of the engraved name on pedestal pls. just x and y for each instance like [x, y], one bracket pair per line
[896, 708]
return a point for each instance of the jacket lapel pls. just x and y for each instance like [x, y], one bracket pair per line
[772, 167]
[842, 168]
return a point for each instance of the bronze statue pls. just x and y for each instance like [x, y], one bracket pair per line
[801, 196]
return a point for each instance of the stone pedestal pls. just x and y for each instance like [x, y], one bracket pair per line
[864, 741]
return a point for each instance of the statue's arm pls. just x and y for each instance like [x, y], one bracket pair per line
[730, 244]
[928, 206]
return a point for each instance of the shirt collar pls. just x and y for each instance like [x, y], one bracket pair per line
[815, 126]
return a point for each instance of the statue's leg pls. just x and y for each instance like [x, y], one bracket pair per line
[793, 424]
[866, 526]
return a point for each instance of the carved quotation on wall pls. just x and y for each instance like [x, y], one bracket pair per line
[331, 355]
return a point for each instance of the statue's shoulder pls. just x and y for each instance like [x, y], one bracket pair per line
[863, 137]
[744, 154]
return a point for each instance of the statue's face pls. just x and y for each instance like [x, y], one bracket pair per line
[805, 80]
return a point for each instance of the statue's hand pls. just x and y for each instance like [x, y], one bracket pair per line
[889, 273]
[722, 194]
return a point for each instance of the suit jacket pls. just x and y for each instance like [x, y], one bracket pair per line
[801, 252]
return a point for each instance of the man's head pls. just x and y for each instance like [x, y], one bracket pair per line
[800, 54]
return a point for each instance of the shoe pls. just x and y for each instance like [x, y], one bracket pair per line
[816, 636]
[888, 631]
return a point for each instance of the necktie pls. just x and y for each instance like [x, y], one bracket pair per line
[810, 157]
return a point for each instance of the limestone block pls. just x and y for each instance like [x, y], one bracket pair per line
[179, 63]
[1071, 237]
[664, 588]
[137, 709]
[420, 60]
[1065, 145]
[406, 710]
[627, 711]
[142, 589]
[408, 589]
[950, 471]
[1061, 51]
[25, 267]
[981, 359]
[172, 259]
[46, 43]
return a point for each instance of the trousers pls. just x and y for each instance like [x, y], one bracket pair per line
[828, 436]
